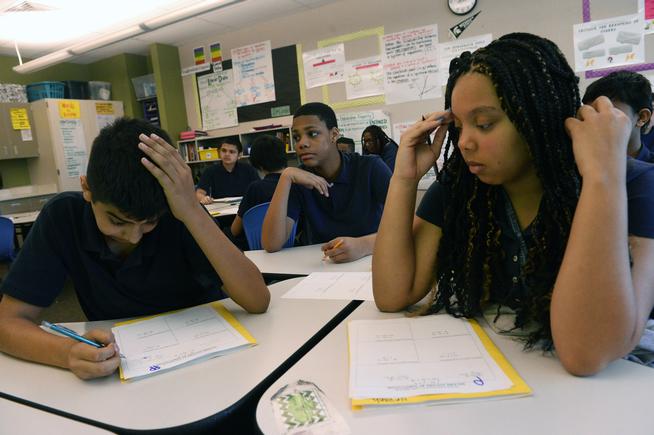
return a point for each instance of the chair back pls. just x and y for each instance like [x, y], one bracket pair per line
[7, 251]
[252, 222]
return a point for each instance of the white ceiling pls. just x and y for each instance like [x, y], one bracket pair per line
[212, 24]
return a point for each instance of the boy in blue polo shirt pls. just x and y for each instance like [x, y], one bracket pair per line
[631, 93]
[338, 198]
[268, 155]
[228, 177]
[135, 242]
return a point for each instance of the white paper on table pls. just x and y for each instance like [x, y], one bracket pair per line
[228, 199]
[334, 285]
[407, 357]
[162, 342]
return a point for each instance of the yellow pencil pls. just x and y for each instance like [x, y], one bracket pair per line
[336, 245]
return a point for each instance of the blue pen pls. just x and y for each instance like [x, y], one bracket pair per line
[72, 334]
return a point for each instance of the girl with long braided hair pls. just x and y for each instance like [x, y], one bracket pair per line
[375, 141]
[534, 217]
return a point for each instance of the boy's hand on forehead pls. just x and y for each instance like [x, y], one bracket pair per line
[600, 133]
[174, 175]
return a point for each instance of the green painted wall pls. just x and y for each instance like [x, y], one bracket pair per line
[118, 70]
[168, 78]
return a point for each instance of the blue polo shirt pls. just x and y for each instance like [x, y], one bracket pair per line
[218, 182]
[258, 192]
[166, 271]
[640, 198]
[645, 154]
[354, 206]
[388, 154]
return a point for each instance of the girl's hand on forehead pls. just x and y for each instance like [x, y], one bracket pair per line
[417, 154]
[599, 134]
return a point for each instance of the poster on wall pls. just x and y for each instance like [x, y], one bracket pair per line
[217, 100]
[410, 62]
[352, 124]
[253, 74]
[646, 9]
[364, 78]
[104, 114]
[609, 43]
[74, 145]
[216, 56]
[450, 50]
[324, 66]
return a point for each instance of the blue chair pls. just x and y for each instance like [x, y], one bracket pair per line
[7, 251]
[252, 222]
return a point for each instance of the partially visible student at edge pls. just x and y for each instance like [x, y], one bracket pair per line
[345, 145]
[134, 242]
[532, 220]
[228, 177]
[632, 93]
[337, 197]
[375, 141]
[267, 155]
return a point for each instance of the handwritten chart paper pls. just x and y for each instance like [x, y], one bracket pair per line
[253, 74]
[364, 78]
[74, 144]
[450, 50]
[162, 342]
[410, 62]
[425, 358]
[334, 285]
[609, 43]
[324, 66]
[217, 101]
[352, 124]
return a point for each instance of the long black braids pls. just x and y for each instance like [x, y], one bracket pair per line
[538, 91]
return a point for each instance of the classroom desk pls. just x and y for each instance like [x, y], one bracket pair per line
[16, 418]
[222, 209]
[206, 390]
[616, 401]
[23, 218]
[303, 260]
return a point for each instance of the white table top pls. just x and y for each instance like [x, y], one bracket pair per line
[185, 394]
[616, 401]
[18, 418]
[303, 260]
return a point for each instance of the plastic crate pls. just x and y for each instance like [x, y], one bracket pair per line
[40, 90]
[144, 87]
[76, 90]
[100, 90]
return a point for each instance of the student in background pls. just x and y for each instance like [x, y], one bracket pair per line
[345, 145]
[228, 177]
[375, 141]
[338, 197]
[630, 92]
[268, 155]
[509, 229]
[134, 242]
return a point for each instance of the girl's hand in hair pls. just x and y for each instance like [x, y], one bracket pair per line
[416, 154]
[600, 134]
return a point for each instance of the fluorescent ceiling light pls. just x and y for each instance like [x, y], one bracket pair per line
[192, 10]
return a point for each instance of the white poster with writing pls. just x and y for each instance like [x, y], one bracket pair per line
[217, 100]
[608, 43]
[352, 124]
[324, 66]
[450, 50]
[254, 82]
[74, 145]
[410, 61]
[364, 78]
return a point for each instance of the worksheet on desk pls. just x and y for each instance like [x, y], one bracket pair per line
[158, 343]
[334, 285]
[427, 355]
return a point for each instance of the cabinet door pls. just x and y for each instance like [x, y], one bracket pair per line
[19, 133]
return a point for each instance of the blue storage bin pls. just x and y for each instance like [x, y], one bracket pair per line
[40, 90]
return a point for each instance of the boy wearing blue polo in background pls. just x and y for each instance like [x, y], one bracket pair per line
[338, 198]
[135, 242]
[228, 177]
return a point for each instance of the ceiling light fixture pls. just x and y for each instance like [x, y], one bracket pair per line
[166, 19]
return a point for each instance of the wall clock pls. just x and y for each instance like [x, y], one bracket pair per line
[461, 7]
